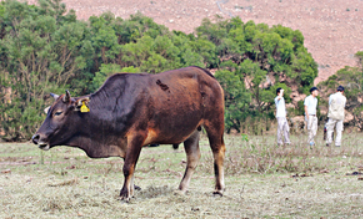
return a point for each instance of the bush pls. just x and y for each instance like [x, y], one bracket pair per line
[352, 80]
[46, 49]
[248, 55]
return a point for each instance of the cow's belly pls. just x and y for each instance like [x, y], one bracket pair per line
[170, 138]
[173, 129]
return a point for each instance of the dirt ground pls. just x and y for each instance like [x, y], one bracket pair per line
[332, 29]
[262, 181]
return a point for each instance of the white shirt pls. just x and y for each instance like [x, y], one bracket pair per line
[280, 107]
[311, 102]
[336, 106]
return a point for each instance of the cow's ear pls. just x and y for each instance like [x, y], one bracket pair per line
[46, 110]
[82, 104]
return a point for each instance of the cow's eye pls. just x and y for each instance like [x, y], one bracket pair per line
[57, 113]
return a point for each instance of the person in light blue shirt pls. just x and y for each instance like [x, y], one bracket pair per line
[310, 105]
[282, 124]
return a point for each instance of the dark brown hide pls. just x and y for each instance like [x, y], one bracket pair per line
[133, 110]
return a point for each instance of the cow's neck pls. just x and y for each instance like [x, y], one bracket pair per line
[96, 149]
[111, 112]
[102, 130]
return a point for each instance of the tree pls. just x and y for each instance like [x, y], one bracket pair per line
[106, 70]
[237, 99]
[352, 79]
[42, 50]
[254, 54]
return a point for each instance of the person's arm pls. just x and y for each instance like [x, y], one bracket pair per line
[306, 108]
[306, 112]
[280, 95]
[330, 99]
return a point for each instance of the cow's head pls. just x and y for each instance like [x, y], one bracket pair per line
[60, 124]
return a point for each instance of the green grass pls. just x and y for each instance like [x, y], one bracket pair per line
[259, 181]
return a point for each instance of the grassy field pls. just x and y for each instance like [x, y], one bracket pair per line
[262, 181]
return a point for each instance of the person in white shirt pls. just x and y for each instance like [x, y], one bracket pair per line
[336, 116]
[283, 125]
[310, 104]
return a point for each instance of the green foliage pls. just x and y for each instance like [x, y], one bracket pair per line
[300, 108]
[244, 137]
[106, 70]
[2, 10]
[41, 51]
[352, 80]
[165, 53]
[249, 55]
[359, 56]
[237, 99]
[130, 69]
[44, 48]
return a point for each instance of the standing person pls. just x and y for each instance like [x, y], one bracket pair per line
[310, 104]
[283, 125]
[336, 116]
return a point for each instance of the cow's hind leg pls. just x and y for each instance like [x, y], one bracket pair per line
[191, 146]
[215, 131]
[132, 155]
[136, 187]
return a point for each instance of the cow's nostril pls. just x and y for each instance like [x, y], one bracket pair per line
[35, 138]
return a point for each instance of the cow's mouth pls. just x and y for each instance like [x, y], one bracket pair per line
[38, 141]
[43, 146]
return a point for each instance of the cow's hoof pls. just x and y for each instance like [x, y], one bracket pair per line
[125, 199]
[138, 188]
[131, 200]
[179, 192]
[218, 194]
[125, 196]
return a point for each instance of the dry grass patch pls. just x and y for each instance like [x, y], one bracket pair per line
[262, 180]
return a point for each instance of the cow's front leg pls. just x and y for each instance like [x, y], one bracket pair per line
[136, 187]
[132, 155]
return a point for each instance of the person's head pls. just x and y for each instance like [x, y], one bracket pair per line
[278, 91]
[314, 91]
[340, 89]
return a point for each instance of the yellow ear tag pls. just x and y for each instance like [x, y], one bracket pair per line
[84, 108]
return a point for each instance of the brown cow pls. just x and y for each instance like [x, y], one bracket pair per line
[133, 110]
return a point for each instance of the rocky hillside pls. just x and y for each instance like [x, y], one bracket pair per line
[332, 28]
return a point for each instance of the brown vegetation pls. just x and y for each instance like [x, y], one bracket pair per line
[262, 180]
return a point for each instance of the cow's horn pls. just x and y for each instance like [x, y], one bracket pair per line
[67, 97]
[55, 96]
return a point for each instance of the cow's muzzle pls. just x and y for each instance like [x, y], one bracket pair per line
[37, 140]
